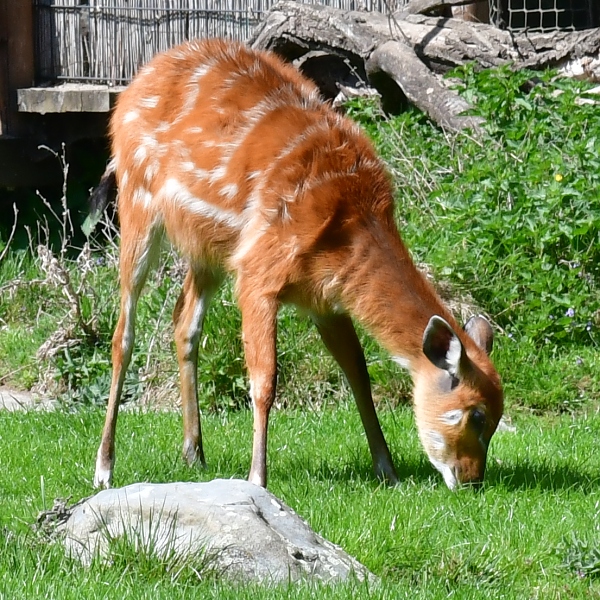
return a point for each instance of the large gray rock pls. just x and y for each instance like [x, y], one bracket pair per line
[248, 533]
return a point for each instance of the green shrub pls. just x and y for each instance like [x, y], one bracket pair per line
[512, 218]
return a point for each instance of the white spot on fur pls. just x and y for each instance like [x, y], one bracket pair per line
[142, 196]
[149, 141]
[436, 440]
[179, 149]
[230, 190]
[149, 102]
[200, 72]
[446, 471]
[187, 166]
[190, 101]
[217, 173]
[139, 156]
[403, 362]
[151, 171]
[132, 115]
[452, 417]
[139, 195]
[453, 356]
[176, 192]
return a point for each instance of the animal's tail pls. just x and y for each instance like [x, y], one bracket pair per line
[103, 194]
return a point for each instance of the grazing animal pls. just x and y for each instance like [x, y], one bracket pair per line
[233, 156]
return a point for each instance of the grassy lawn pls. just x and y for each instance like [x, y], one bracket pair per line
[511, 223]
[521, 538]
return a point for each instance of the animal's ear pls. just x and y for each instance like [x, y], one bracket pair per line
[442, 346]
[478, 328]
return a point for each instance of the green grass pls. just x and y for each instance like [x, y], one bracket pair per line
[514, 217]
[538, 510]
[511, 220]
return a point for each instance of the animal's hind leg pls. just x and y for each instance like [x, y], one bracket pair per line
[188, 318]
[259, 330]
[140, 244]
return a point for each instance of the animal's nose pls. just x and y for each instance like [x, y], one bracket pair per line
[475, 484]
[468, 480]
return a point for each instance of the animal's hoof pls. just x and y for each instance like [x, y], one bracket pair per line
[193, 455]
[103, 473]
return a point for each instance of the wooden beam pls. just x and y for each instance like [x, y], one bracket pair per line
[68, 98]
[17, 60]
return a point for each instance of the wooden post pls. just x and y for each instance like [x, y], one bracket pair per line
[477, 12]
[17, 60]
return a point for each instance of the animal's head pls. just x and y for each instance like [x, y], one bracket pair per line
[458, 399]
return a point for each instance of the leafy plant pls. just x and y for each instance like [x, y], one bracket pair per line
[514, 218]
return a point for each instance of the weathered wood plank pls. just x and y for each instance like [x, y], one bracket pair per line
[68, 97]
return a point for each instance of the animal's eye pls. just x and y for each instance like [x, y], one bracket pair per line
[477, 418]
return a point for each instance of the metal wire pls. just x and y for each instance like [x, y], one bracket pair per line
[544, 15]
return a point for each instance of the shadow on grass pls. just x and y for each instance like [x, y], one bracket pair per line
[343, 470]
[528, 476]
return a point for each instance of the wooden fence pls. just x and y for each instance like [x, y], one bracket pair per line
[106, 41]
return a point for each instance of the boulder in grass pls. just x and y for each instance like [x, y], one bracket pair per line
[242, 530]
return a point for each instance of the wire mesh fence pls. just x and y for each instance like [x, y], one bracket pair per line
[106, 41]
[544, 15]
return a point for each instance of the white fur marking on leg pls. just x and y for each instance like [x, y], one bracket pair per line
[102, 475]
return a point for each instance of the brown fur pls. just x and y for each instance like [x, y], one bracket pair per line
[234, 156]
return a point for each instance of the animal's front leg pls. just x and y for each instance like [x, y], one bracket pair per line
[259, 330]
[339, 336]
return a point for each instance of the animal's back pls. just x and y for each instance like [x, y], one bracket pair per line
[226, 147]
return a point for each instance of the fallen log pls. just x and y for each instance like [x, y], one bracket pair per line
[410, 49]
[398, 61]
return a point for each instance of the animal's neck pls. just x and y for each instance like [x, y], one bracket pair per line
[386, 293]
